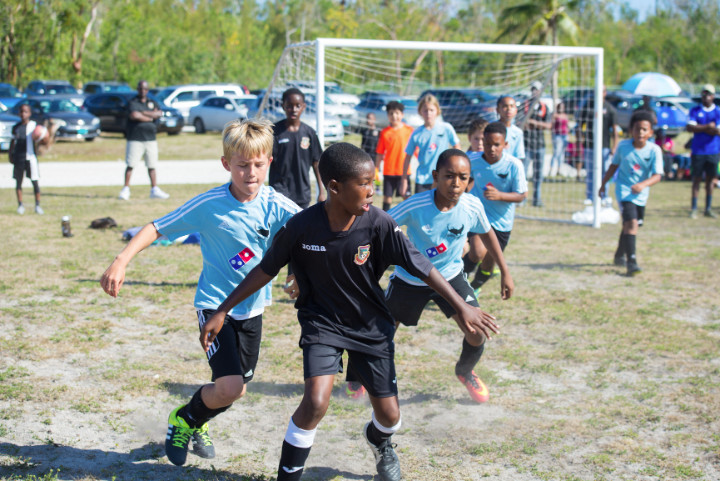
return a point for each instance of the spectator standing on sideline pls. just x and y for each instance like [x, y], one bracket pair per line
[142, 140]
[705, 148]
[534, 135]
[586, 117]
[22, 153]
[560, 138]
[390, 151]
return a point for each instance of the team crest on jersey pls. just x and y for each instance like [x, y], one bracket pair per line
[305, 143]
[241, 258]
[362, 255]
[456, 231]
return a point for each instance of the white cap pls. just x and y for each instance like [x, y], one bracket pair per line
[708, 88]
[537, 85]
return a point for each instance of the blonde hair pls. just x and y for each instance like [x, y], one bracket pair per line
[248, 138]
[429, 99]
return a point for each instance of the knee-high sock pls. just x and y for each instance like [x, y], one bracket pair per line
[196, 413]
[377, 433]
[469, 357]
[295, 451]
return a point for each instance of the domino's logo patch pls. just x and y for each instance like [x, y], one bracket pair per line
[436, 251]
[241, 258]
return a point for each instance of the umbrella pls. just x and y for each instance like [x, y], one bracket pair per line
[653, 84]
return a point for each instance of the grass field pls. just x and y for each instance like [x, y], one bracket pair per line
[595, 376]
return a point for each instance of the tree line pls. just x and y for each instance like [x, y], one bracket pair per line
[181, 41]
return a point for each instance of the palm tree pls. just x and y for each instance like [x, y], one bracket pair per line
[541, 21]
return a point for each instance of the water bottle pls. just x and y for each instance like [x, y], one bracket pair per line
[65, 225]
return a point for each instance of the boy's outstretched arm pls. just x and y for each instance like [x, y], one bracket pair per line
[606, 178]
[114, 276]
[507, 286]
[254, 281]
[473, 318]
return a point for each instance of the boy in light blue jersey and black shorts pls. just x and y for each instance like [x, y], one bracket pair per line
[237, 223]
[499, 182]
[639, 165]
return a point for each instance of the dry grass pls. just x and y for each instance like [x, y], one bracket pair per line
[595, 376]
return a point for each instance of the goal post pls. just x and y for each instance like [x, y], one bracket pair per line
[328, 67]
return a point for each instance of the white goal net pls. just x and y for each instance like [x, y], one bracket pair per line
[353, 78]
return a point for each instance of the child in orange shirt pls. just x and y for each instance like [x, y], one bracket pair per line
[391, 150]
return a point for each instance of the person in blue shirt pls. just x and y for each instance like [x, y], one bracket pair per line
[236, 223]
[430, 139]
[507, 111]
[499, 182]
[704, 123]
[639, 165]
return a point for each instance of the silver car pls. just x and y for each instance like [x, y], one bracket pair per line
[215, 112]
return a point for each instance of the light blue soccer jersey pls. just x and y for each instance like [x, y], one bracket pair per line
[514, 139]
[430, 143]
[233, 238]
[506, 175]
[439, 235]
[636, 165]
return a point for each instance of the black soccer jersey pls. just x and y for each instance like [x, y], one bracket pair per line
[341, 303]
[293, 155]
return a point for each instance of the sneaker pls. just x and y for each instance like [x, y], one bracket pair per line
[496, 271]
[711, 214]
[538, 203]
[587, 202]
[693, 214]
[202, 444]
[386, 461]
[477, 389]
[38, 210]
[355, 390]
[157, 193]
[21, 209]
[607, 202]
[633, 269]
[124, 193]
[477, 292]
[178, 438]
[619, 261]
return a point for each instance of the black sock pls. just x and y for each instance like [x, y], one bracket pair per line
[468, 265]
[469, 357]
[481, 277]
[708, 202]
[630, 248]
[292, 462]
[376, 436]
[620, 252]
[196, 413]
[386, 206]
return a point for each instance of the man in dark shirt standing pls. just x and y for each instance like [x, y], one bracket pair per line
[141, 140]
[586, 117]
[534, 136]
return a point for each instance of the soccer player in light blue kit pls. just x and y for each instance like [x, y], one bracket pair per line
[237, 223]
[639, 165]
[438, 222]
[430, 139]
[507, 111]
[499, 182]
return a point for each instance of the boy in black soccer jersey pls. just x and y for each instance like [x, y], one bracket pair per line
[295, 151]
[338, 251]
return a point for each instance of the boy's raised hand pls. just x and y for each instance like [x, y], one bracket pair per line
[210, 330]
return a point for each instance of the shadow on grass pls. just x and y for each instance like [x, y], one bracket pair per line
[255, 387]
[45, 193]
[145, 283]
[317, 473]
[146, 462]
[559, 265]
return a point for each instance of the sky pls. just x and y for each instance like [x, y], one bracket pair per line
[643, 7]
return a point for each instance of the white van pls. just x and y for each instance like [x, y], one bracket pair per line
[184, 97]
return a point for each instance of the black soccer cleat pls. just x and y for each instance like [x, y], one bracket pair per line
[619, 261]
[386, 461]
[202, 444]
[633, 269]
[178, 438]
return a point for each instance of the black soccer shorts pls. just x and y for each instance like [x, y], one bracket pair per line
[406, 301]
[235, 350]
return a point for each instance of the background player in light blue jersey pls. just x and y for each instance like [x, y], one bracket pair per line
[430, 139]
[438, 222]
[499, 182]
[639, 165]
[507, 111]
[236, 223]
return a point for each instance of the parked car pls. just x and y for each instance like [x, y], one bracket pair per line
[71, 121]
[9, 95]
[333, 129]
[111, 109]
[214, 112]
[332, 91]
[7, 120]
[375, 102]
[57, 88]
[672, 112]
[460, 106]
[91, 88]
[185, 97]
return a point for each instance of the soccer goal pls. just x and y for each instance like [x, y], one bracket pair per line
[353, 78]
